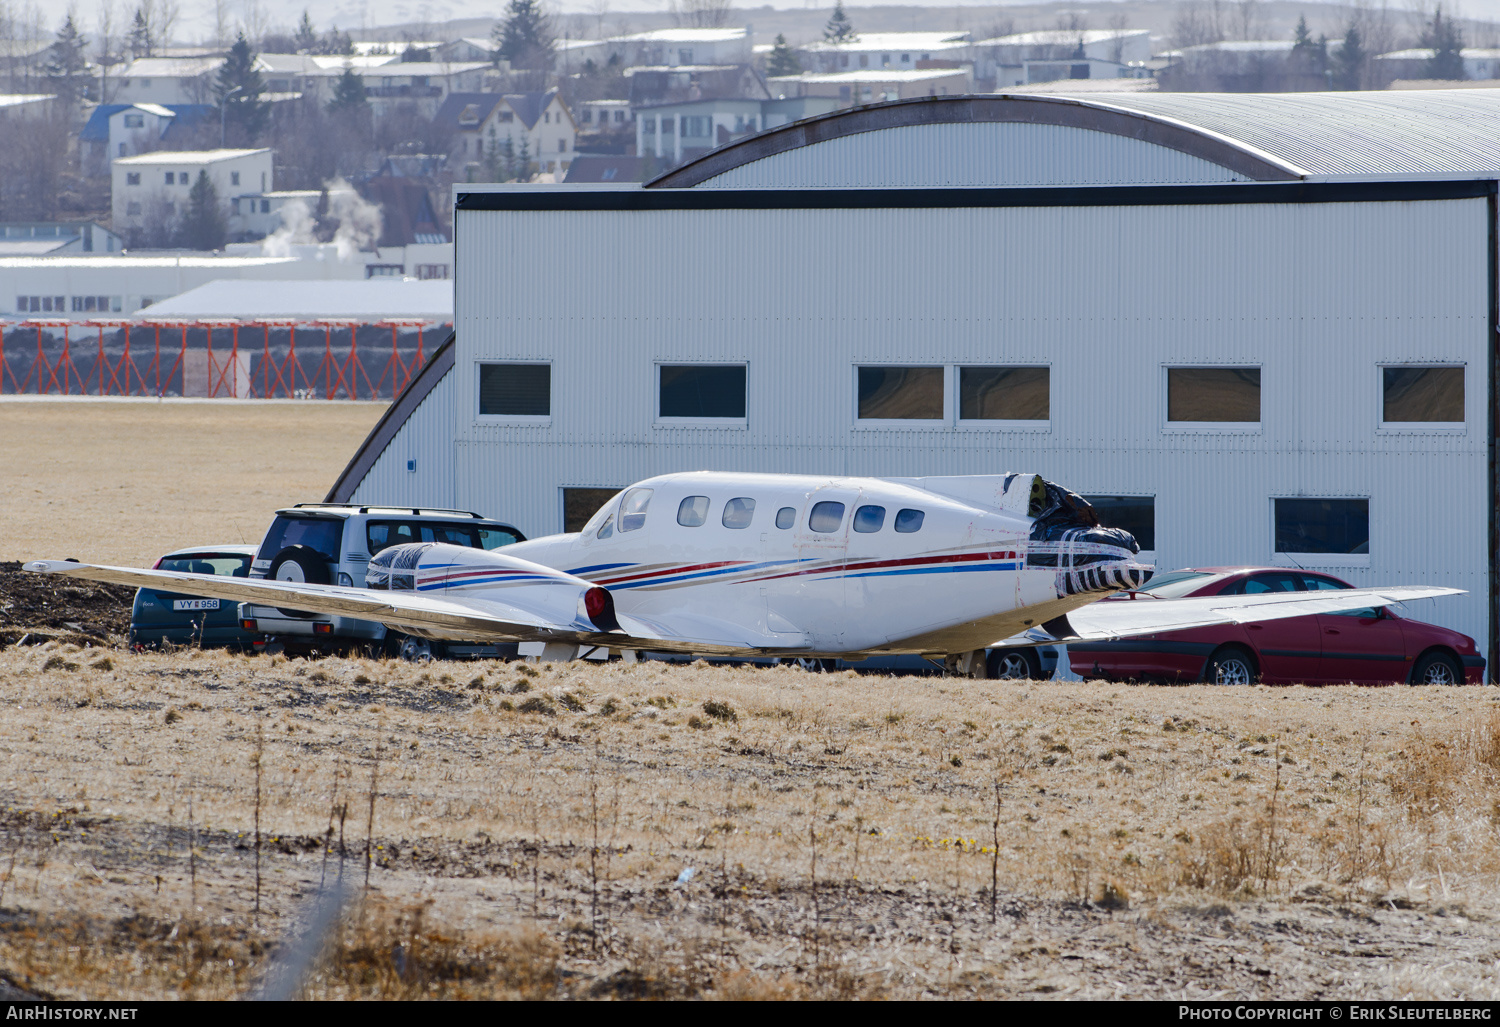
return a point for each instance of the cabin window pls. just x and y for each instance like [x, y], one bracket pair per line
[908, 521]
[633, 509]
[869, 519]
[608, 527]
[1213, 394]
[1004, 393]
[515, 390]
[692, 511]
[786, 517]
[738, 512]
[1339, 526]
[702, 391]
[1422, 394]
[901, 393]
[1135, 514]
[826, 517]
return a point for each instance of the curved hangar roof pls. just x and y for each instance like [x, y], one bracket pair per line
[1117, 138]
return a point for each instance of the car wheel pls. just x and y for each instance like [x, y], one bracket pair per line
[1230, 666]
[416, 650]
[1437, 669]
[1014, 665]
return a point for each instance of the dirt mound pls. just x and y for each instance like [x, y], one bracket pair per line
[38, 607]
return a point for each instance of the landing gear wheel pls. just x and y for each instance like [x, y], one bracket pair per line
[1230, 666]
[966, 665]
[1437, 669]
[806, 663]
[1014, 665]
[302, 565]
[416, 650]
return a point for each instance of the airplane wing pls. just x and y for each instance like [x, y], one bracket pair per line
[1128, 618]
[547, 606]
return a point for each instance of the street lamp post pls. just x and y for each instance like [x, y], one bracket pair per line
[223, 108]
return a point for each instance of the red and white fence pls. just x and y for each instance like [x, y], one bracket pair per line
[326, 359]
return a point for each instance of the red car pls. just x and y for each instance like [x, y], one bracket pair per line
[1376, 645]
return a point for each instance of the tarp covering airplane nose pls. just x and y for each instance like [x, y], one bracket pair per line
[1058, 514]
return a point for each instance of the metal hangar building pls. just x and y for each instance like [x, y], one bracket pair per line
[1254, 329]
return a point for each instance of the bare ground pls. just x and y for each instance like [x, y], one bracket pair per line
[839, 829]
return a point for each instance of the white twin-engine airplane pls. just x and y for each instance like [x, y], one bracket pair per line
[741, 565]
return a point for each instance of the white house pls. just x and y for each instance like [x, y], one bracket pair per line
[874, 85]
[151, 190]
[893, 51]
[489, 125]
[1480, 64]
[663, 47]
[164, 80]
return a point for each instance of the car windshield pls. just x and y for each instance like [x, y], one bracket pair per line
[225, 564]
[1176, 584]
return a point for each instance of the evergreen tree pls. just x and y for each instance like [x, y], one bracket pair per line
[139, 40]
[348, 94]
[1349, 62]
[1446, 41]
[1309, 57]
[203, 224]
[839, 28]
[525, 38]
[238, 89]
[783, 59]
[68, 65]
[306, 39]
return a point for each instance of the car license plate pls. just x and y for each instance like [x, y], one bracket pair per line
[195, 604]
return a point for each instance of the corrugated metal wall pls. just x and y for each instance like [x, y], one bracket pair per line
[978, 154]
[427, 439]
[1318, 295]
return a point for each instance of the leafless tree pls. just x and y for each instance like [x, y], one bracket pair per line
[105, 41]
[700, 14]
[222, 23]
[1248, 20]
[1073, 21]
[1118, 23]
[32, 166]
[1197, 23]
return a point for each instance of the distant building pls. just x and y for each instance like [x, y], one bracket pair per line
[165, 80]
[608, 168]
[488, 126]
[1002, 61]
[150, 191]
[1480, 64]
[854, 87]
[125, 129]
[53, 238]
[896, 51]
[675, 47]
[27, 106]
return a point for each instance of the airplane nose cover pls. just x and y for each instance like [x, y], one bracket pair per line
[1066, 536]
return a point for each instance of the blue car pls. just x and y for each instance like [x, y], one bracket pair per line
[158, 618]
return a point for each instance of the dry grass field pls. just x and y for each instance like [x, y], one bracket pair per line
[125, 481]
[173, 824]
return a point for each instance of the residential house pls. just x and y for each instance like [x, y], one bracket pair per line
[605, 126]
[895, 51]
[674, 133]
[467, 49]
[664, 47]
[1001, 62]
[608, 168]
[28, 106]
[874, 86]
[125, 129]
[486, 125]
[1480, 64]
[149, 192]
[165, 80]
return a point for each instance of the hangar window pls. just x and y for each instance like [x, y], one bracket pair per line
[580, 506]
[900, 393]
[1338, 527]
[1204, 395]
[701, 392]
[1004, 393]
[1421, 395]
[738, 512]
[1135, 514]
[692, 511]
[515, 390]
